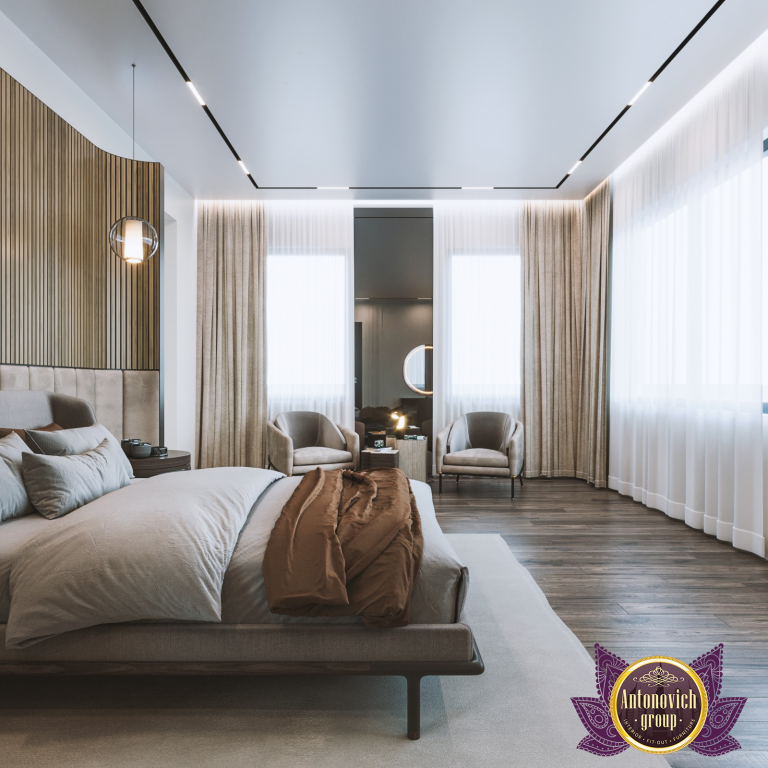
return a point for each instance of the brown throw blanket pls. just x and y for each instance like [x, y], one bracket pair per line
[346, 544]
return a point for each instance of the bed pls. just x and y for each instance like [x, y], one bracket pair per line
[37, 635]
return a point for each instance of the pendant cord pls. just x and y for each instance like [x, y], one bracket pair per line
[133, 113]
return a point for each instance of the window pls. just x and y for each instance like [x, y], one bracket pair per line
[485, 326]
[306, 334]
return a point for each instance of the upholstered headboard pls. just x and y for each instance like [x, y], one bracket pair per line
[127, 403]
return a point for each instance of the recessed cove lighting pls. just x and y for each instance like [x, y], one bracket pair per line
[333, 187]
[242, 165]
[477, 187]
[576, 165]
[197, 95]
[640, 92]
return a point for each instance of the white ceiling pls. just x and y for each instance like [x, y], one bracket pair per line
[390, 93]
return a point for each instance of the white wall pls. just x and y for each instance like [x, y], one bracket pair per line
[25, 62]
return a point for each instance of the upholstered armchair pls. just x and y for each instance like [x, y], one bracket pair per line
[484, 444]
[300, 441]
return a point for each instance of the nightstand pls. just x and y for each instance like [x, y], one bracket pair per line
[379, 459]
[413, 457]
[175, 461]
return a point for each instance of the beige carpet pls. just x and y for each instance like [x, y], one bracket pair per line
[517, 713]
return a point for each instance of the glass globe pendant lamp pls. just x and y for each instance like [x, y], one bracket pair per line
[133, 239]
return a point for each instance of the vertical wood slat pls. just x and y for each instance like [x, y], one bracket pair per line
[65, 298]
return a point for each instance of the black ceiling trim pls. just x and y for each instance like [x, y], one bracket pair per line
[167, 48]
[177, 64]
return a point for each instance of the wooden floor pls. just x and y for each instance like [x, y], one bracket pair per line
[635, 581]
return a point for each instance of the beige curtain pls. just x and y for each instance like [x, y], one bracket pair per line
[231, 334]
[564, 250]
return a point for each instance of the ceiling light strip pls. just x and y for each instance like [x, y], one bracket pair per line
[167, 48]
[707, 17]
[618, 117]
[653, 77]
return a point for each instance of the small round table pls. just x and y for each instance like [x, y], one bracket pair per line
[175, 461]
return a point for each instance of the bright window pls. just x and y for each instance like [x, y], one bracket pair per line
[485, 326]
[306, 333]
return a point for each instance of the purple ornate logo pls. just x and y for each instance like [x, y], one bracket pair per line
[659, 706]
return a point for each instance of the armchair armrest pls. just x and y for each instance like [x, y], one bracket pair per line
[515, 450]
[279, 449]
[441, 447]
[353, 443]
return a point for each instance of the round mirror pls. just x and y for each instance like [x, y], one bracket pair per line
[417, 369]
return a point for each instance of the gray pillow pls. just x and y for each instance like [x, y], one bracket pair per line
[66, 442]
[14, 501]
[57, 485]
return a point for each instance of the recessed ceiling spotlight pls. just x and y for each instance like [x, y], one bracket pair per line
[242, 165]
[640, 92]
[197, 95]
[332, 187]
[576, 165]
[477, 187]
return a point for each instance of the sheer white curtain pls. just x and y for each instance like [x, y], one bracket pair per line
[310, 305]
[477, 309]
[685, 406]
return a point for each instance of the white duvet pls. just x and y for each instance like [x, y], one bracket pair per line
[184, 546]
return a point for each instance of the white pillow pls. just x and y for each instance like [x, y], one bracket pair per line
[14, 501]
[57, 485]
[68, 441]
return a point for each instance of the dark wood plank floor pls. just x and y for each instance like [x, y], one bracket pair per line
[635, 581]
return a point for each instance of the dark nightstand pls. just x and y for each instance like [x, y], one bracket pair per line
[379, 460]
[175, 461]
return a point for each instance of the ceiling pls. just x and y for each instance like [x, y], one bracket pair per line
[393, 93]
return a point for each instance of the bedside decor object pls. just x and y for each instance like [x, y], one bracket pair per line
[133, 239]
[400, 428]
[141, 450]
[159, 450]
[375, 436]
[174, 461]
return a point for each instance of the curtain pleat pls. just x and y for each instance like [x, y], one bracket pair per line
[564, 251]
[231, 334]
[688, 317]
[592, 436]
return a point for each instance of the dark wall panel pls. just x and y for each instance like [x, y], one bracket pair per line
[393, 253]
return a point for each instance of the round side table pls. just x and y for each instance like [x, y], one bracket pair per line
[175, 461]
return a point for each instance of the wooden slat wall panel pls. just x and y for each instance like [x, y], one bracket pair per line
[65, 298]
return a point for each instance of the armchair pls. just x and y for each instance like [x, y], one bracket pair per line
[300, 441]
[483, 444]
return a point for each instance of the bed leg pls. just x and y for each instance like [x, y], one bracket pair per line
[414, 706]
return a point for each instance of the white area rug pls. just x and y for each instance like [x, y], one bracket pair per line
[517, 713]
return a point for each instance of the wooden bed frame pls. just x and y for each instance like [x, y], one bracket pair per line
[412, 671]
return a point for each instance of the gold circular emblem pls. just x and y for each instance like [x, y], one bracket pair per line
[659, 704]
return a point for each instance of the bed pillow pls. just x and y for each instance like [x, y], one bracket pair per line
[79, 440]
[57, 485]
[14, 501]
[22, 433]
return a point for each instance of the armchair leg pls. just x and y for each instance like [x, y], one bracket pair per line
[522, 469]
[513, 487]
[440, 483]
[457, 479]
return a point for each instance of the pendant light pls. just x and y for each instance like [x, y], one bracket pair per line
[133, 239]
